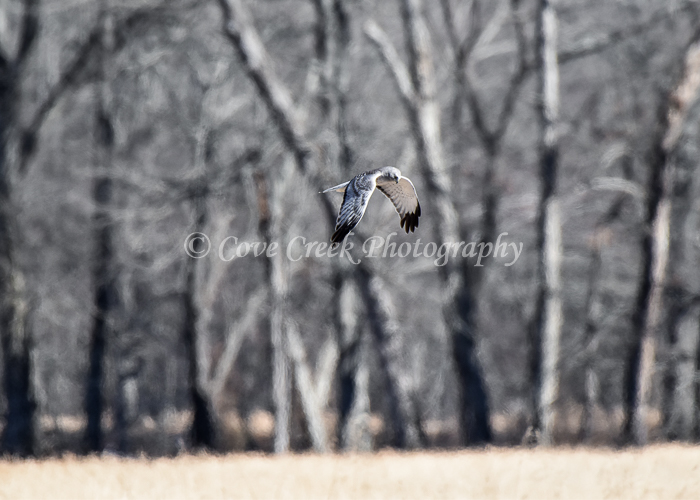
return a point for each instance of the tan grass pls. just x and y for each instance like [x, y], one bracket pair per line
[665, 472]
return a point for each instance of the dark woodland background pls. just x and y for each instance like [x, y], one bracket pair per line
[125, 126]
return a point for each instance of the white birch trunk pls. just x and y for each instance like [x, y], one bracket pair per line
[550, 245]
[683, 97]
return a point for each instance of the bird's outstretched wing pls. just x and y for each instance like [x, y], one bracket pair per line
[353, 208]
[403, 195]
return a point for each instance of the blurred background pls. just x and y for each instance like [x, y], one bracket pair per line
[127, 125]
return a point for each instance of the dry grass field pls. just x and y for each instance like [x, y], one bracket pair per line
[663, 472]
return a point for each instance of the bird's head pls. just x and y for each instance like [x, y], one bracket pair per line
[393, 173]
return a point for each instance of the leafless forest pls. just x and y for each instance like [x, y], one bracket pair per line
[573, 126]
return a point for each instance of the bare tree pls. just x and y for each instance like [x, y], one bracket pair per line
[416, 85]
[269, 212]
[681, 288]
[239, 28]
[380, 314]
[650, 313]
[490, 136]
[546, 329]
[599, 241]
[103, 266]
[681, 292]
[17, 144]
[314, 394]
[204, 427]
[17, 437]
[332, 37]
[332, 47]
[353, 372]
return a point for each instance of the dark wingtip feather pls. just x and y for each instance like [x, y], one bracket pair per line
[336, 238]
[409, 222]
[340, 233]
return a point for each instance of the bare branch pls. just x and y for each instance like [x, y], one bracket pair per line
[71, 75]
[30, 29]
[447, 17]
[462, 49]
[310, 395]
[480, 126]
[491, 137]
[68, 76]
[234, 338]
[494, 25]
[66, 79]
[617, 184]
[518, 77]
[4, 61]
[327, 362]
[683, 97]
[598, 43]
[391, 58]
[239, 28]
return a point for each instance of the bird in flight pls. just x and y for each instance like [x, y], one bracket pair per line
[359, 189]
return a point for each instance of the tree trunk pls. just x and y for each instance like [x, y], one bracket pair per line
[459, 311]
[202, 432]
[17, 145]
[281, 369]
[404, 416]
[475, 426]
[651, 310]
[546, 330]
[592, 306]
[268, 227]
[353, 372]
[683, 281]
[651, 313]
[313, 394]
[103, 273]
[204, 425]
[682, 418]
[416, 88]
[18, 434]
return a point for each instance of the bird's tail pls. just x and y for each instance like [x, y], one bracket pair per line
[340, 188]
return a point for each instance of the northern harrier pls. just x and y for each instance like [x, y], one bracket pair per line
[358, 190]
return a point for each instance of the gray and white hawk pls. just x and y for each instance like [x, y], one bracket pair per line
[359, 189]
